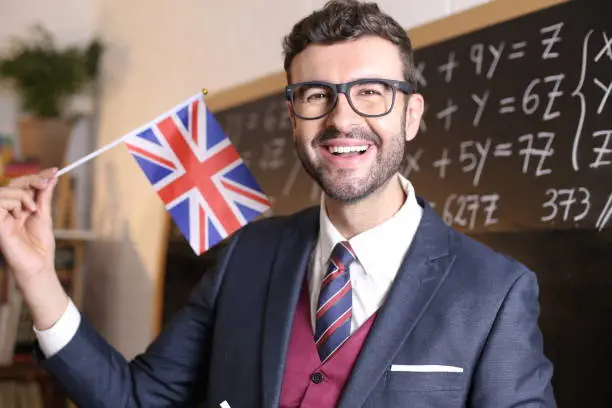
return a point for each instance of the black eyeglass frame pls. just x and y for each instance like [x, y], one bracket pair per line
[345, 89]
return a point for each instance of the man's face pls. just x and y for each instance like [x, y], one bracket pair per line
[331, 148]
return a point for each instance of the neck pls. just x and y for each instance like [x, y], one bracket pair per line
[355, 218]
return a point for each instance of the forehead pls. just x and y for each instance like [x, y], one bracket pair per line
[345, 61]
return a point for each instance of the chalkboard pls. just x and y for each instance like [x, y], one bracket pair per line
[515, 149]
[516, 134]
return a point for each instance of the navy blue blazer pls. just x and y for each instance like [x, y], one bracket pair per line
[454, 303]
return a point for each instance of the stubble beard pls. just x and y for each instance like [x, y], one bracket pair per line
[341, 186]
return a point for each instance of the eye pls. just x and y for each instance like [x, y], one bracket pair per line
[369, 91]
[316, 97]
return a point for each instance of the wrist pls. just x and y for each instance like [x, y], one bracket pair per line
[46, 299]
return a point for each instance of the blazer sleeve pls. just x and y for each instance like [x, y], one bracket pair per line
[95, 375]
[513, 370]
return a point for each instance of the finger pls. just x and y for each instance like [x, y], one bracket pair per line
[38, 181]
[9, 204]
[6, 219]
[26, 196]
[18, 214]
[21, 216]
[45, 197]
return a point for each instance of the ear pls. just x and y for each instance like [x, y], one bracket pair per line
[414, 114]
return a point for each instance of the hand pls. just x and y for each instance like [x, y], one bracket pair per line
[26, 227]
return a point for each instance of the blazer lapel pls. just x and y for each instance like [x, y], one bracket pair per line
[423, 270]
[286, 281]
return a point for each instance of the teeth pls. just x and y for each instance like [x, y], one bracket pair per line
[347, 149]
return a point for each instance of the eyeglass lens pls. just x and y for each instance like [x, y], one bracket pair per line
[368, 98]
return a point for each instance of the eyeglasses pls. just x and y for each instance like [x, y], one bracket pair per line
[369, 97]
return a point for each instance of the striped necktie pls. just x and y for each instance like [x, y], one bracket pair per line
[334, 308]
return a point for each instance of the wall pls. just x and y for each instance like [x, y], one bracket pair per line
[159, 53]
[71, 21]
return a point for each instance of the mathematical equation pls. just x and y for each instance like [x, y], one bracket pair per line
[500, 115]
[472, 211]
[534, 150]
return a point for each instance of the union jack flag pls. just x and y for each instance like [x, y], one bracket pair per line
[198, 174]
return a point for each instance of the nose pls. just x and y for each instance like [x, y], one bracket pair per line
[343, 117]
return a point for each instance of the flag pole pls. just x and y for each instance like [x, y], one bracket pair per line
[108, 146]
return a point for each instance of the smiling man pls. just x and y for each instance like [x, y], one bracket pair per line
[368, 300]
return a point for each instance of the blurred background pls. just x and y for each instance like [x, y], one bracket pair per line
[78, 74]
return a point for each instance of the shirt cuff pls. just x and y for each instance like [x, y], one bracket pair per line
[57, 336]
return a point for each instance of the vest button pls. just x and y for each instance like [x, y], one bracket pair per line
[316, 377]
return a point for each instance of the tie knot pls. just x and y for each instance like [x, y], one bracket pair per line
[343, 254]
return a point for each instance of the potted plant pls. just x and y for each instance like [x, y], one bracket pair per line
[46, 78]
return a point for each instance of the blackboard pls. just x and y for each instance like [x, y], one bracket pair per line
[515, 149]
[516, 134]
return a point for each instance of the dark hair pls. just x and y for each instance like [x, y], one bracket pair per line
[341, 20]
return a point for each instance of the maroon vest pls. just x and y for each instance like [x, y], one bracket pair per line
[307, 382]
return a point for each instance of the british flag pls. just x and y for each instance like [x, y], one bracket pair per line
[198, 174]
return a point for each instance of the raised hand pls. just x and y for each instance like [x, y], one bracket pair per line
[26, 227]
[28, 245]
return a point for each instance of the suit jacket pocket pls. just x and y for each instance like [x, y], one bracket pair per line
[424, 381]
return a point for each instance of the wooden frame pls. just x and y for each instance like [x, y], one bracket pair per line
[494, 12]
[486, 15]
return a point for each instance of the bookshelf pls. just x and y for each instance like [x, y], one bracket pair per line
[24, 378]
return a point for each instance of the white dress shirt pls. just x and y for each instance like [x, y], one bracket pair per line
[379, 250]
[57, 336]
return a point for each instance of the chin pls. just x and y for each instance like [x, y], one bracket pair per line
[346, 193]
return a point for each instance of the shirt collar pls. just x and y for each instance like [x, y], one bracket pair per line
[371, 245]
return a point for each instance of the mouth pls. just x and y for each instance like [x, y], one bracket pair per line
[347, 151]
[347, 156]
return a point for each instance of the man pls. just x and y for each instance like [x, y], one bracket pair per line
[369, 300]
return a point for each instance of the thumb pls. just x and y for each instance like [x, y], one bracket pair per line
[45, 197]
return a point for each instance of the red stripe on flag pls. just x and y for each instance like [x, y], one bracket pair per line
[194, 121]
[157, 159]
[199, 175]
[245, 193]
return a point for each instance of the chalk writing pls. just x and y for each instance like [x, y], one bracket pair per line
[549, 42]
[605, 215]
[466, 210]
[481, 102]
[449, 67]
[477, 56]
[517, 50]
[578, 93]
[272, 156]
[517, 110]
[447, 114]
[606, 50]
[603, 150]
[545, 140]
[566, 202]
[604, 99]
[412, 162]
[419, 74]
[472, 155]
[442, 163]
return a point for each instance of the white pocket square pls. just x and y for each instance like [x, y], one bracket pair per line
[426, 368]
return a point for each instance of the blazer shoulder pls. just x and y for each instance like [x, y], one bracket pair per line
[484, 263]
[273, 226]
[310, 214]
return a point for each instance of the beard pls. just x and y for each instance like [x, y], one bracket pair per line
[341, 185]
